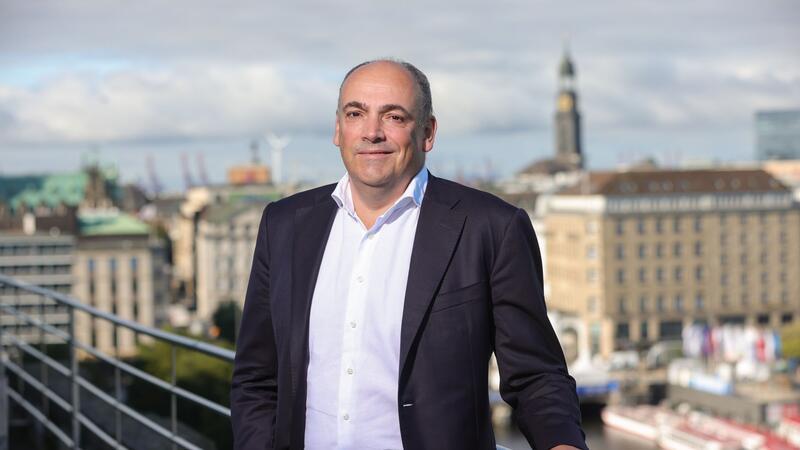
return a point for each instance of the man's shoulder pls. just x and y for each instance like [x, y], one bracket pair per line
[471, 199]
[300, 200]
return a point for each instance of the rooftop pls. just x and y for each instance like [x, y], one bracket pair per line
[671, 182]
[111, 224]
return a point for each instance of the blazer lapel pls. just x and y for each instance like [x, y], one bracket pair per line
[312, 227]
[438, 231]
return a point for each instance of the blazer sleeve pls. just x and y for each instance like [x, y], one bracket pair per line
[254, 382]
[533, 373]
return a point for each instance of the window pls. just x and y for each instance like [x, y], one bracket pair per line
[699, 302]
[90, 265]
[676, 249]
[623, 330]
[723, 300]
[743, 258]
[676, 224]
[763, 258]
[591, 304]
[643, 330]
[591, 251]
[723, 279]
[764, 298]
[591, 275]
[640, 226]
[642, 304]
[642, 251]
[642, 275]
[659, 225]
[659, 250]
[698, 273]
[622, 306]
[620, 227]
[763, 277]
[743, 278]
[678, 273]
[660, 303]
[698, 224]
[743, 219]
[698, 248]
[744, 299]
[621, 276]
[659, 274]
[678, 302]
[723, 259]
[723, 239]
[620, 251]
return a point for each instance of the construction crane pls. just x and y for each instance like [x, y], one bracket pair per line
[201, 169]
[187, 175]
[155, 183]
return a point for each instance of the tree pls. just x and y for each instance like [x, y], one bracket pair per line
[226, 320]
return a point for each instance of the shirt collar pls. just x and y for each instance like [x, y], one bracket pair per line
[414, 191]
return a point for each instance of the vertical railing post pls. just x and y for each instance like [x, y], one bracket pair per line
[117, 388]
[43, 348]
[75, 387]
[3, 391]
[173, 400]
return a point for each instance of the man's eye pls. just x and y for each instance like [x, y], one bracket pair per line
[352, 114]
[396, 118]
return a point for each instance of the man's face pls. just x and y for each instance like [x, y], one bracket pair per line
[378, 127]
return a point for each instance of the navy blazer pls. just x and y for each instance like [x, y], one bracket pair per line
[474, 287]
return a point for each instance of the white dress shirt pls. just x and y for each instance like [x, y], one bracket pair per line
[354, 329]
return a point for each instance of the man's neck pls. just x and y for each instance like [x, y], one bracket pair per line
[370, 202]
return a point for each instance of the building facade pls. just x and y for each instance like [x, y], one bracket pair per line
[41, 259]
[638, 255]
[226, 239]
[120, 268]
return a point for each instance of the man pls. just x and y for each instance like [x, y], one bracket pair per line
[374, 304]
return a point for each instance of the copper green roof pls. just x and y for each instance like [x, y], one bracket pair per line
[111, 224]
[50, 190]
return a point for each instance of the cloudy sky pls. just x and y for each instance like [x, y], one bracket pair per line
[127, 81]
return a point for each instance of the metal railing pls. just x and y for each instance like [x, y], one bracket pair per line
[17, 349]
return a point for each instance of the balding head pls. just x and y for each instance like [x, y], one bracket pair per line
[424, 102]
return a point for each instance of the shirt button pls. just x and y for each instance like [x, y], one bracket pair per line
[360, 279]
[349, 371]
[346, 416]
[353, 324]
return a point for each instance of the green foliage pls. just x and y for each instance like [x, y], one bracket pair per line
[200, 374]
[790, 340]
[225, 318]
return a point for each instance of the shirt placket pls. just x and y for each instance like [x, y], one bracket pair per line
[353, 332]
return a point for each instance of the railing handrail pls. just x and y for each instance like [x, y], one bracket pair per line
[182, 341]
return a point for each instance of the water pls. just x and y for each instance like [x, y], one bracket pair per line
[598, 437]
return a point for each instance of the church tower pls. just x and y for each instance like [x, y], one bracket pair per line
[567, 117]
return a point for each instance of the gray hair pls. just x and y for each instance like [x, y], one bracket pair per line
[424, 100]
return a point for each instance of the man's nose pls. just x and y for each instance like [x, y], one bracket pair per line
[373, 130]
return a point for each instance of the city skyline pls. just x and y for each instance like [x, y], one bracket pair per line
[681, 81]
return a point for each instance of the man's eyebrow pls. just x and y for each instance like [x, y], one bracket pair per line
[392, 107]
[354, 104]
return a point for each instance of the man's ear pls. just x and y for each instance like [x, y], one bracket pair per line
[336, 131]
[430, 134]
